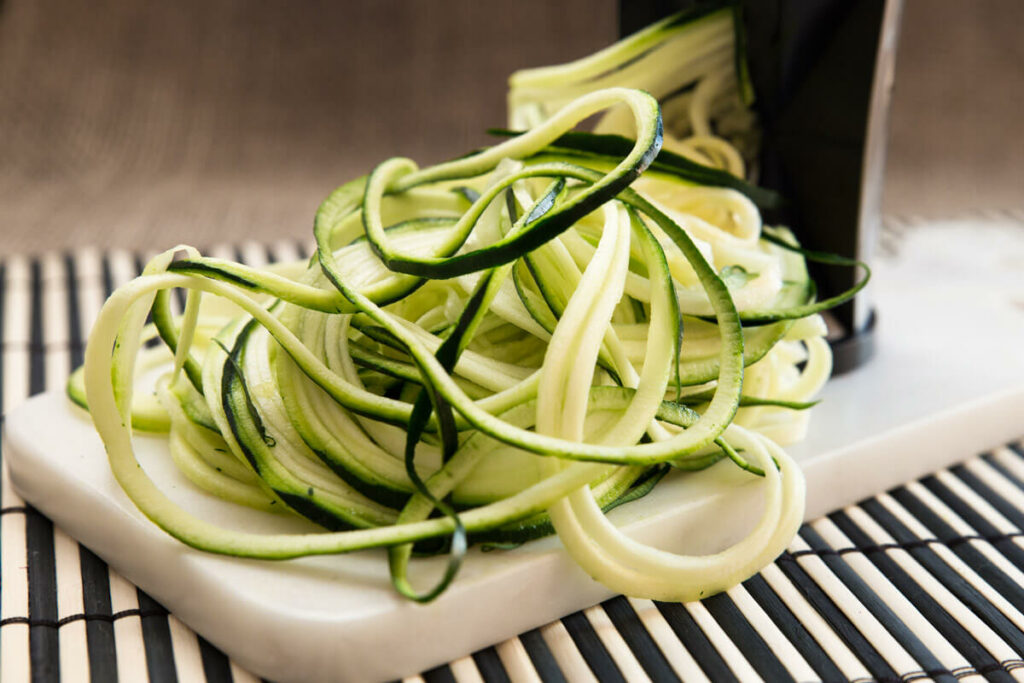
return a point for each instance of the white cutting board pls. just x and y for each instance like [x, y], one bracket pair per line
[947, 383]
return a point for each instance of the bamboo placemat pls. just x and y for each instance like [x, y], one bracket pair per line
[921, 582]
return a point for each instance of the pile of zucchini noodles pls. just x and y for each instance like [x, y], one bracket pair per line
[483, 351]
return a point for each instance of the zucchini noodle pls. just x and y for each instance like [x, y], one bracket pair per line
[494, 348]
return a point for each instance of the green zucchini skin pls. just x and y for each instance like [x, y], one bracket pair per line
[257, 444]
[398, 390]
[604, 148]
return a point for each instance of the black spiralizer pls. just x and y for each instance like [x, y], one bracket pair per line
[822, 75]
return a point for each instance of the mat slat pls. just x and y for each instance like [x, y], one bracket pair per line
[930, 606]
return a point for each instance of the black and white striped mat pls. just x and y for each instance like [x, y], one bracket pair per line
[922, 582]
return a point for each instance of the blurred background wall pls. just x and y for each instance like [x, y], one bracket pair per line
[140, 124]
